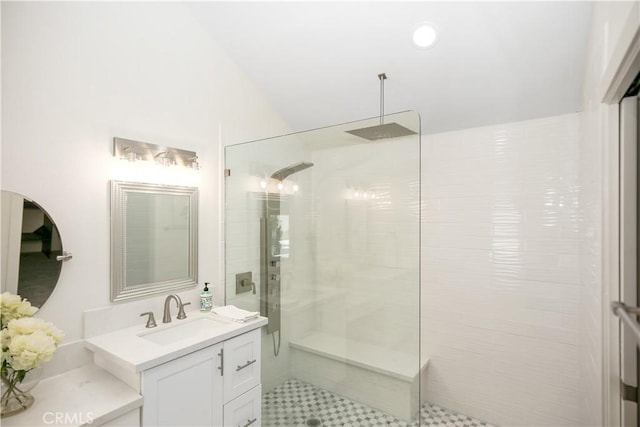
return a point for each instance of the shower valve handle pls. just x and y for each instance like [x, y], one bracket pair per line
[246, 282]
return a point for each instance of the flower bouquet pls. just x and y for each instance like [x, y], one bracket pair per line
[27, 342]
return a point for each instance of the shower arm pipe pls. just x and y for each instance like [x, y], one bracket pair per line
[382, 77]
[628, 315]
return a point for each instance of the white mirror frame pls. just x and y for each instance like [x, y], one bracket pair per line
[119, 289]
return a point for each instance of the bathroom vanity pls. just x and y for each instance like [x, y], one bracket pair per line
[196, 371]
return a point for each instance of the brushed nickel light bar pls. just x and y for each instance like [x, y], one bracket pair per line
[131, 150]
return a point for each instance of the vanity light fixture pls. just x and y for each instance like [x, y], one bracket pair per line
[162, 158]
[129, 154]
[425, 35]
[194, 163]
[131, 150]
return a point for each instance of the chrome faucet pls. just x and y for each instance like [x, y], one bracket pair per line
[166, 318]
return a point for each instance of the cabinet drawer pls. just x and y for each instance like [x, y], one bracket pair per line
[241, 364]
[244, 410]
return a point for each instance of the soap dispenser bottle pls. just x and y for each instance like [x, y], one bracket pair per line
[206, 298]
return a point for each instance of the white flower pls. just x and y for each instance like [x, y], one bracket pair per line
[4, 339]
[14, 307]
[30, 325]
[29, 351]
[28, 342]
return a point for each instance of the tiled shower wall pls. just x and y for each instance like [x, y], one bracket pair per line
[500, 277]
[367, 231]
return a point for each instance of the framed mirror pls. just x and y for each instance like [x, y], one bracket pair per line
[154, 247]
[30, 248]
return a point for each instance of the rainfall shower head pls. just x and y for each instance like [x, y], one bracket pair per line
[382, 131]
[281, 174]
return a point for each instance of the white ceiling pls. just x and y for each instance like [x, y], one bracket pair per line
[494, 62]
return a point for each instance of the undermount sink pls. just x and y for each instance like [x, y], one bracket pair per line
[181, 330]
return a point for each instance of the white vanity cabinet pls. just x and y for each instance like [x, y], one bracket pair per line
[215, 386]
[199, 371]
[186, 391]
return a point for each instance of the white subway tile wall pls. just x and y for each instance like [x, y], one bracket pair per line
[368, 246]
[500, 271]
[590, 262]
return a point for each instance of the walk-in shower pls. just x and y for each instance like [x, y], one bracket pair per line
[335, 237]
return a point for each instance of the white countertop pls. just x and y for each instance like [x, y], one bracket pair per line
[129, 350]
[83, 396]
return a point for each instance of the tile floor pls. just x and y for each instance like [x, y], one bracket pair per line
[298, 404]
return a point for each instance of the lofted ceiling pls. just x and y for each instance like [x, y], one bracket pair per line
[494, 62]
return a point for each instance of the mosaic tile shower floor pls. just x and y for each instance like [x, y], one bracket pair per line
[298, 404]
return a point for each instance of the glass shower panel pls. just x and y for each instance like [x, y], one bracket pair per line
[327, 223]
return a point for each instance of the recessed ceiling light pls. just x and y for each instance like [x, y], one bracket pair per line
[425, 35]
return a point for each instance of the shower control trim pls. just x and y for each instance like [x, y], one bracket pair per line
[244, 283]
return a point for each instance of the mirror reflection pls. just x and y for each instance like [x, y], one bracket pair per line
[157, 238]
[279, 229]
[30, 244]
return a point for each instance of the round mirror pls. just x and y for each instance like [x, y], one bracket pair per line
[30, 244]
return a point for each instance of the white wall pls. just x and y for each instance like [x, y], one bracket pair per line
[500, 280]
[598, 199]
[75, 75]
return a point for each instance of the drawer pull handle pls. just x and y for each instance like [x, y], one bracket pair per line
[249, 363]
[250, 422]
[221, 367]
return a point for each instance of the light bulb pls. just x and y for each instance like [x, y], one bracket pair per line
[424, 35]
